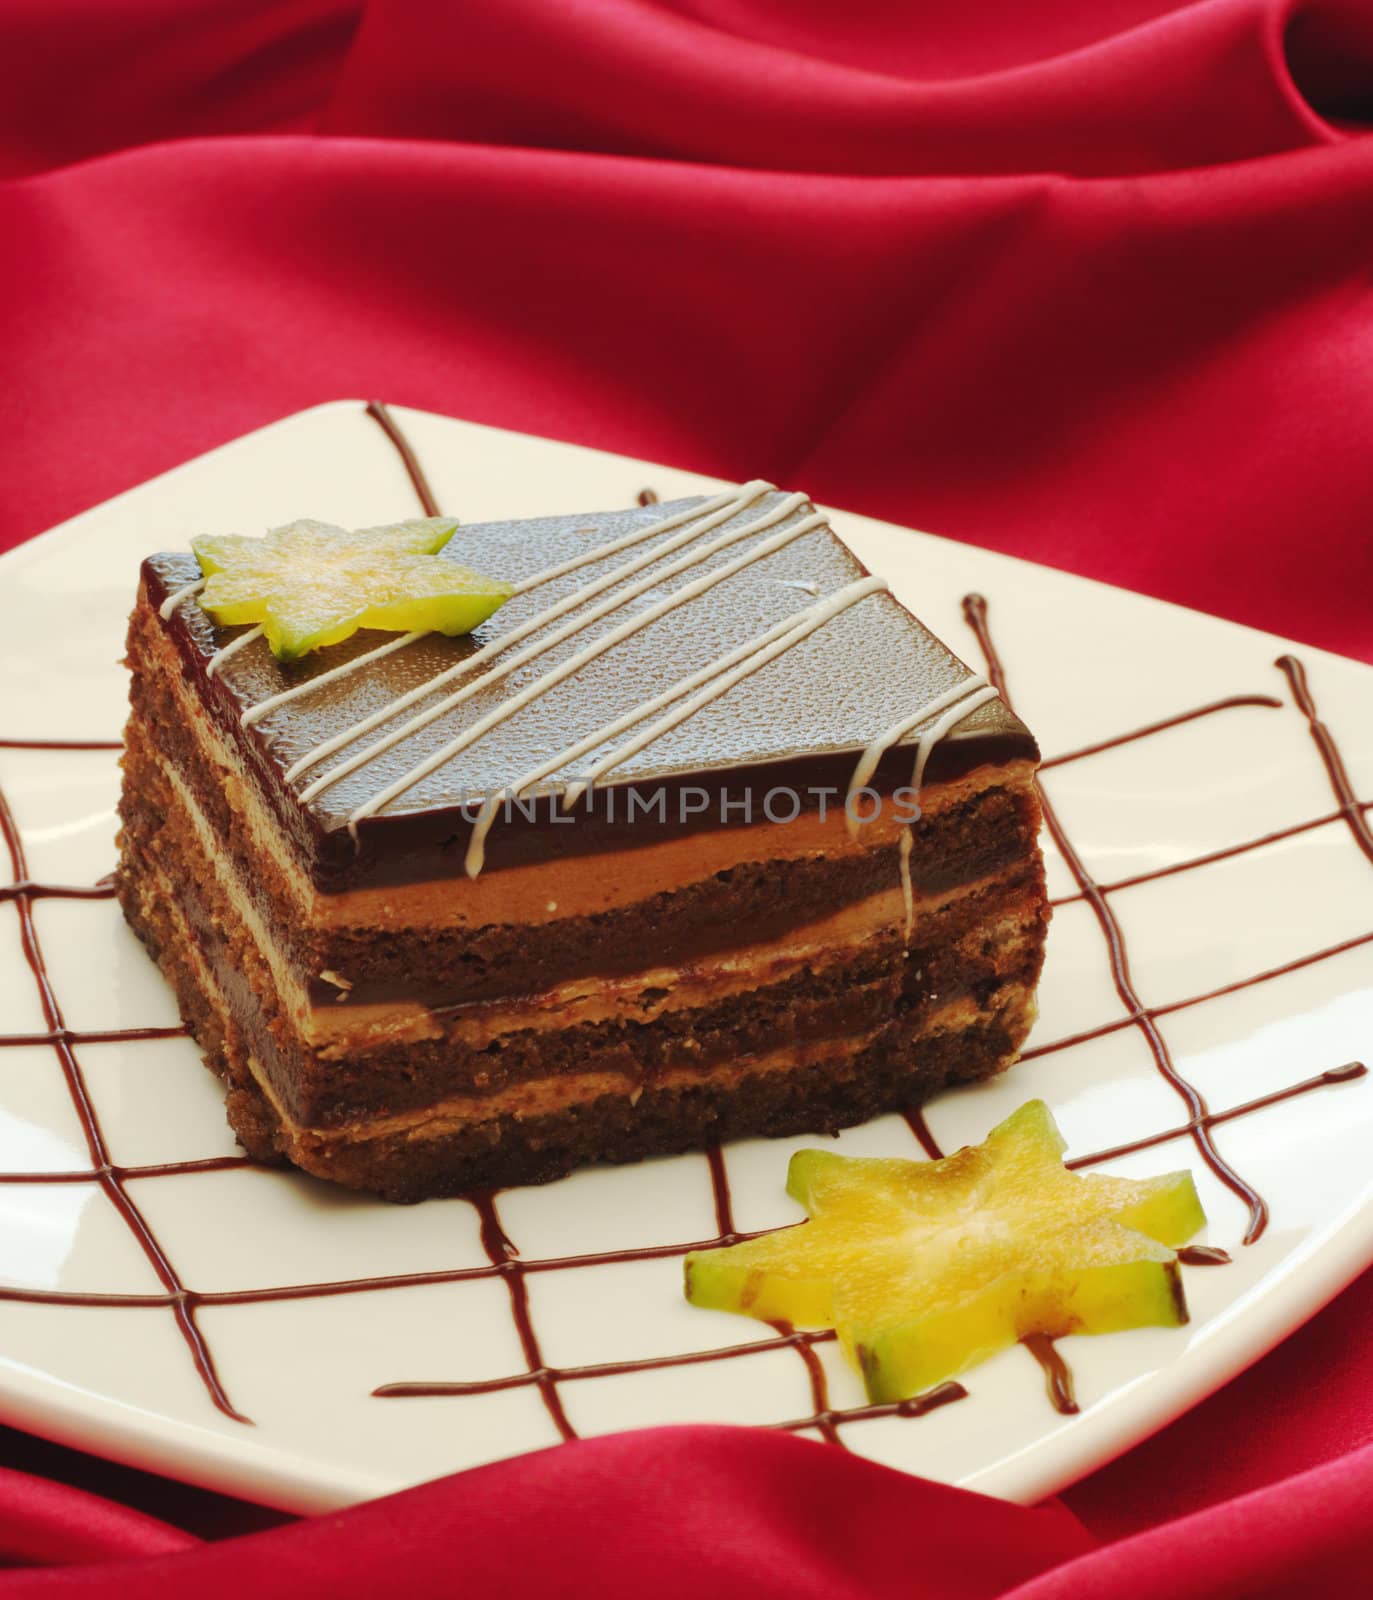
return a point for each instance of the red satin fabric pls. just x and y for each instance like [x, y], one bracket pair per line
[1084, 283]
[1090, 284]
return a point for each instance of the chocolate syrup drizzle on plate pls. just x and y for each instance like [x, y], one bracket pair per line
[1204, 1255]
[824, 1419]
[1350, 809]
[104, 1172]
[975, 614]
[61, 744]
[1230, 703]
[1058, 1380]
[56, 891]
[504, 1261]
[380, 413]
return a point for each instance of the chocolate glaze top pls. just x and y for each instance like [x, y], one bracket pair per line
[799, 721]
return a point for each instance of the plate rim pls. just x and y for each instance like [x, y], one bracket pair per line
[1294, 1292]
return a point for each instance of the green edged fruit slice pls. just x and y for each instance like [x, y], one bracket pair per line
[311, 584]
[925, 1268]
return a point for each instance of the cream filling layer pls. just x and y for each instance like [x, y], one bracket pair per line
[291, 993]
[547, 892]
[648, 994]
[547, 1096]
[1015, 1007]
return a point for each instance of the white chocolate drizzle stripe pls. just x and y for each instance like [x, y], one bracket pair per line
[907, 887]
[794, 628]
[587, 558]
[867, 762]
[613, 602]
[174, 600]
[476, 852]
[221, 655]
[961, 701]
[951, 718]
[577, 661]
[662, 525]
[255, 713]
[534, 624]
[803, 624]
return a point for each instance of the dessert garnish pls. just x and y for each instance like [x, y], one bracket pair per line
[925, 1268]
[311, 584]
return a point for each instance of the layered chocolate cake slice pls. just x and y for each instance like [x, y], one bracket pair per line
[701, 835]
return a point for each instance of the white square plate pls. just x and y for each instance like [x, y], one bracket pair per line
[1225, 857]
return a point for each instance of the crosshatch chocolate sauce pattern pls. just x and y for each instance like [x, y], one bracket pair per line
[504, 1261]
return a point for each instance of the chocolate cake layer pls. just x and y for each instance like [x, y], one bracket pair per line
[832, 1085]
[410, 989]
[971, 945]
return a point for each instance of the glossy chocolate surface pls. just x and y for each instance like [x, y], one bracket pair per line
[799, 721]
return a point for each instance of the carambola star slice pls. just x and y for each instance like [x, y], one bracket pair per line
[925, 1268]
[311, 584]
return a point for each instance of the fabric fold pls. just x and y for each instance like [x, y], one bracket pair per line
[1087, 285]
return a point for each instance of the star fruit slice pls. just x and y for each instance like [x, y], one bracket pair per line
[925, 1268]
[311, 584]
